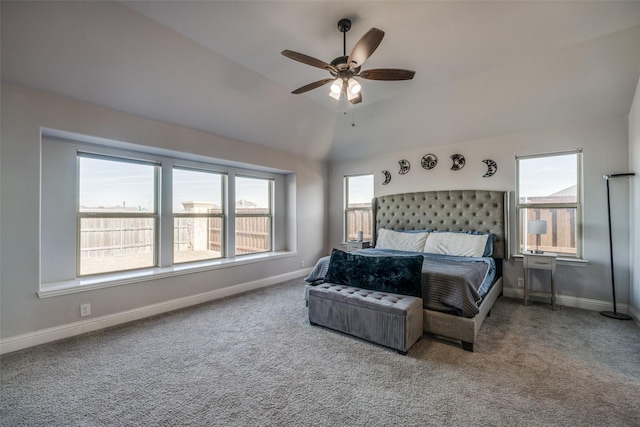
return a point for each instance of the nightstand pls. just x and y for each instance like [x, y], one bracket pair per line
[354, 245]
[543, 261]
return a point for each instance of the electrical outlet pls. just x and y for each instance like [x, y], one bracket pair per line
[520, 282]
[85, 310]
[302, 264]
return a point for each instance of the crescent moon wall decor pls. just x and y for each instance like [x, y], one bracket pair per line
[387, 177]
[458, 162]
[404, 166]
[429, 161]
[492, 167]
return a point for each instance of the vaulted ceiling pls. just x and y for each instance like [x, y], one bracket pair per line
[483, 69]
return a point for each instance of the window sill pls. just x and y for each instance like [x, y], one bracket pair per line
[561, 261]
[66, 287]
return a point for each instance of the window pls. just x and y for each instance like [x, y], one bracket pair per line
[114, 213]
[549, 189]
[117, 214]
[253, 214]
[358, 193]
[198, 215]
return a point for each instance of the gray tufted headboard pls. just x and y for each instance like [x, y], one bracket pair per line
[454, 210]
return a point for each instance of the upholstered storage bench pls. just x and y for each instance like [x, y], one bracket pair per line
[391, 320]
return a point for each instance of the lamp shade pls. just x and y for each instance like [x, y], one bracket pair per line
[336, 86]
[537, 226]
[354, 86]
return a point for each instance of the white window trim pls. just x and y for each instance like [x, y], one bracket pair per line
[578, 205]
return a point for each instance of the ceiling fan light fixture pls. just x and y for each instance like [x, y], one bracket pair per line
[354, 87]
[336, 87]
[351, 96]
[344, 68]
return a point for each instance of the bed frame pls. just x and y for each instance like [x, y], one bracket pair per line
[454, 210]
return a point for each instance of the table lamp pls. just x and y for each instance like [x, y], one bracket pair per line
[537, 227]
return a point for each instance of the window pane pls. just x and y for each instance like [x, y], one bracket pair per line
[197, 191]
[549, 179]
[113, 186]
[359, 220]
[253, 234]
[359, 191]
[196, 239]
[116, 244]
[126, 189]
[252, 195]
[253, 215]
[562, 229]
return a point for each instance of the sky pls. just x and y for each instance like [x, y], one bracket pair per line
[543, 176]
[109, 183]
[360, 189]
[114, 183]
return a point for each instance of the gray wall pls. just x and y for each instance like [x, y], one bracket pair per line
[605, 150]
[25, 111]
[634, 166]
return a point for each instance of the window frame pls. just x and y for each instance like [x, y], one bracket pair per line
[521, 208]
[269, 215]
[122, 215]
[59, 199]
[222, 215]
[363, 210]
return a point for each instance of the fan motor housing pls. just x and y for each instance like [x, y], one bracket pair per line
[340, 64]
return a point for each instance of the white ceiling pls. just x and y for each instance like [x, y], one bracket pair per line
[483, 69]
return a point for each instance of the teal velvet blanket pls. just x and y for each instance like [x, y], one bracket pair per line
[397, 275]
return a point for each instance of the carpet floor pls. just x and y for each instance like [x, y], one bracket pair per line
[254, 360]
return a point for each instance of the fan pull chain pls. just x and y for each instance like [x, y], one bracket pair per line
[353, 119]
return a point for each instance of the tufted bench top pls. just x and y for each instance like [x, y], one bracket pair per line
[380, 301]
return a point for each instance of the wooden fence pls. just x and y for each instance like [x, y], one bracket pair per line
[119, 237]
[359, 220]
[109, 237]
[561, 230]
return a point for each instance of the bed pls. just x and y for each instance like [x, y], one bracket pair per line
[457, 310]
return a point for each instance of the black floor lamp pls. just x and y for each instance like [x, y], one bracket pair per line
[613, 314]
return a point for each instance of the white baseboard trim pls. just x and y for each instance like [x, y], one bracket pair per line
[569, 301]
[19, 342]
[636, 316]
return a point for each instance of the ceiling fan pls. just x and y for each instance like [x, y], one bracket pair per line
[345, 68]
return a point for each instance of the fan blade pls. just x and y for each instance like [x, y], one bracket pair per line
[365, 47]
[357, 99]
[313, 85]
[387, 74]
[305, 59]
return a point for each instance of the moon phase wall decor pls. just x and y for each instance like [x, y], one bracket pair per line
[458, 162]
[492, 167]
[429, 161]
[387, 177]
[404, 166]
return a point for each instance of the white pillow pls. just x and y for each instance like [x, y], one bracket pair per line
[389, 239]
[458, 244]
